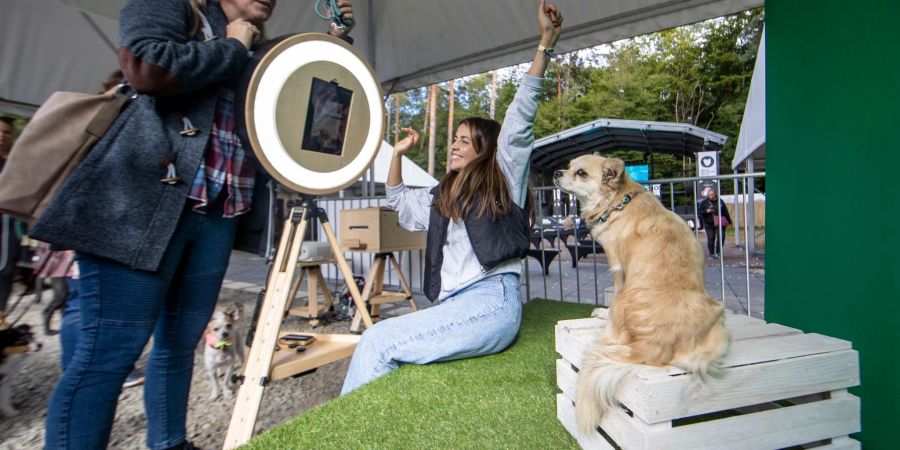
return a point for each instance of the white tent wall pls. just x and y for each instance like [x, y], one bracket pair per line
[411, 43]
[49, 47]
[413, 175]
[752, 137]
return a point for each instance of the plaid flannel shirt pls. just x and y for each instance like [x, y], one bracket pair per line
[225, 164]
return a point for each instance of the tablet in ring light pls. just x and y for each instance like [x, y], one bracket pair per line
[313, 113]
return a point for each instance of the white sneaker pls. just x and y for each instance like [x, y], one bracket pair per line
[135, 378]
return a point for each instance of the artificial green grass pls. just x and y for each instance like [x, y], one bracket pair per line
[507, 400]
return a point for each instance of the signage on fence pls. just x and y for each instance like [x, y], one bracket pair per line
[657, 189]
[707, 164]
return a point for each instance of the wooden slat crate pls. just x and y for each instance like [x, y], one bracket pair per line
[781, 388]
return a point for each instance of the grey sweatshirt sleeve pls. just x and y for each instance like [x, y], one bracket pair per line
[412, 205]
[159, 58]
[516, 139]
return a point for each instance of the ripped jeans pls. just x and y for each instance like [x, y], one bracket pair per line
[479, 320]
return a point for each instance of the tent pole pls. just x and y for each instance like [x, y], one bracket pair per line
[751, 209]
[737, 215]
[450, 125]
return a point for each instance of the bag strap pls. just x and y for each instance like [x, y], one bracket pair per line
[199, 21]
[205, 27]
[109, 111]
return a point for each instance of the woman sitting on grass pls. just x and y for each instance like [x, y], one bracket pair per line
[477, 234]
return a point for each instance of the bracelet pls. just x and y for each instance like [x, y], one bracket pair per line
[546, 51]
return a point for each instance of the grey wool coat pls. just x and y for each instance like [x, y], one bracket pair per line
[114, 205]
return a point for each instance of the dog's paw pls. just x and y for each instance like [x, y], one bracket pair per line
[600, 313]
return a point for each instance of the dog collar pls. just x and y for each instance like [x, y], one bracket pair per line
[216, 344]
[604, 217]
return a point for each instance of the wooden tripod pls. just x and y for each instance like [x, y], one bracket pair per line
[315, 282]
[373, 292]
[267, 362]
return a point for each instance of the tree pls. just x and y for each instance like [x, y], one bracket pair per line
[697, 74]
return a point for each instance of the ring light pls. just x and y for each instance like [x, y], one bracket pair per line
[313, 113]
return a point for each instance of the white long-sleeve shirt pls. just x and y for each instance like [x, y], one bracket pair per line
[460, 267]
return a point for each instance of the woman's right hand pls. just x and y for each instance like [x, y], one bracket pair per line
[243, 31]
[407, 143]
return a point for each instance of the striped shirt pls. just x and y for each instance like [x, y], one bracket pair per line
[225, 164]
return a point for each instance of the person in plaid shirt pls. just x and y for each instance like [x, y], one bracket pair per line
[225, 169]
[152, 213]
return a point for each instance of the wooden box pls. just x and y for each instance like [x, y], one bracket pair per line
[376, 230]
[781, 388]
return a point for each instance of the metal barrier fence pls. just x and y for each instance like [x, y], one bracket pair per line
[565, 264]
[737, 278]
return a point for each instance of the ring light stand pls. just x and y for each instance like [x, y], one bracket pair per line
[312, 113]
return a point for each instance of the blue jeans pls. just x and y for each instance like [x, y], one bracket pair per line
[71, 324]
[120, 309]
[481, 319]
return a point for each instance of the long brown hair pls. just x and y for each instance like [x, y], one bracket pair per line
[481, 180]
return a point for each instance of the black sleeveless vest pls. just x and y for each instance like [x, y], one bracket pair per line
[494, 241]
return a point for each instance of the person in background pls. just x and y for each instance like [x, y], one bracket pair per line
[151, 213]
[11, 229]
[712, 208]
[478, 231]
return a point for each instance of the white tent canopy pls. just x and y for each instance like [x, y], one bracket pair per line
[413, 175]
[51, 45]
[752, 138]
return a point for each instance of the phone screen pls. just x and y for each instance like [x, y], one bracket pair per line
[297, 337]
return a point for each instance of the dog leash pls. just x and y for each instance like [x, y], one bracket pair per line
[24, 311]
[604, 217]
[329, 10]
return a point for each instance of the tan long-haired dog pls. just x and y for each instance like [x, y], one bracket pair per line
[661, 314]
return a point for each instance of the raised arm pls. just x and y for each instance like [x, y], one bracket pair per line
[516, 140]
[549, 20]
[395, 173]
[413, 205]
[158, 57]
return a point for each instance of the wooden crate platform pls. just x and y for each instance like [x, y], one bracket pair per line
[781, 388]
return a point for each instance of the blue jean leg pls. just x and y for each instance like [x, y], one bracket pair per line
[185, 314]
[71, 324]
[120, 308]
[482, 319]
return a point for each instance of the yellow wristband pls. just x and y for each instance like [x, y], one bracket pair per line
[546, 51]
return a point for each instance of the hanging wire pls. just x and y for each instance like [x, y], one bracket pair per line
[329, 10]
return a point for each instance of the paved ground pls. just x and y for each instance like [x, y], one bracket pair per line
[208, 419]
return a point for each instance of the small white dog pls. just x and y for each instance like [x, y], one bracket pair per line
[15, 345]
[223, 348]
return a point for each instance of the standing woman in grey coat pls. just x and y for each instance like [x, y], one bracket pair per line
[151, 214]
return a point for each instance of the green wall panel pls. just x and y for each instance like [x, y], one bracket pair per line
[833, 159]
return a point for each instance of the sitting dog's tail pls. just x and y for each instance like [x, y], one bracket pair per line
[599, 379]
